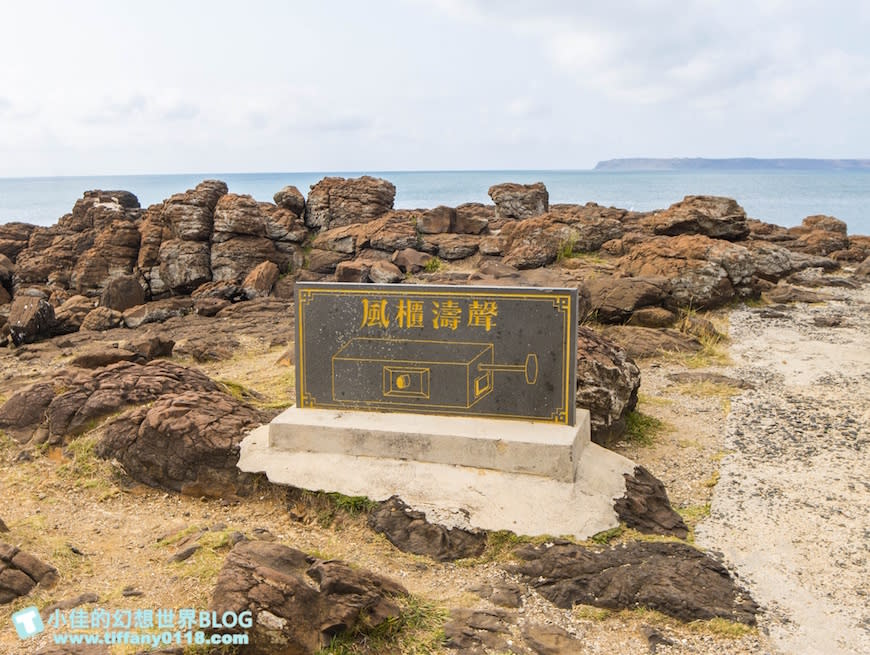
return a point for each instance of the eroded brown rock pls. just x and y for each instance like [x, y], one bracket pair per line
[519, 201]
[336, 201]
[186, 442]
[20, 572]
[299, 603]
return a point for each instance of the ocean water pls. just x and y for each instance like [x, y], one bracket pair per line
[782, 197]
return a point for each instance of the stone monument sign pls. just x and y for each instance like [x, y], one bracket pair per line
[488, 352]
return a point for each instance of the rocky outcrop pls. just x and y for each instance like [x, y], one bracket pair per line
[157, 312]
[113, 254]
[14, 238]
[336, 201]
[70, 315]
[299, 603]
[76, 400]
[703, 272]
[409, 531]
[519, 201]
[186, 442]
[65, 255]
[30, 318]
[863, 269]
[175, 240]
[239, 241]
[712, 216]
[669, 577]
[20, 572]
[646, 506]
[607, 384]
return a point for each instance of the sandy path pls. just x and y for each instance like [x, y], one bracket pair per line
[791, 512]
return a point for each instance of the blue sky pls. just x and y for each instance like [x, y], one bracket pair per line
[163, 87]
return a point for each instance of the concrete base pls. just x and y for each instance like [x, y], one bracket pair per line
[552, 451]
[449, 494]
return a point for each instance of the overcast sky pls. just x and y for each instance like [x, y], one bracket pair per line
[91, 87]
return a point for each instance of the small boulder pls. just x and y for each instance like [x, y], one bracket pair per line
[157, 312]
[519, 201]
[863, 269]
[652, 317]
[20, 572]
[615, 299]
[352, 271]
[409, 531]
[410, 260]
[451, 246]
[438, 220]
[298, 602]
[384, 272]
[100, 319]
[646, 506]
[30, 319]
[607, 384]
[290, 198]
[97, 357]
[186, 442]
[259, 282]
[70, 315]
[122, 292]
[473, 218]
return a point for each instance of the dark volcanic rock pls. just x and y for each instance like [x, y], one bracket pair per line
[712, 216]
[30, 319]
[607, 384]
[519, 201]
[25, 409]
[97, 357]
[438, 220]
[646, 506]
[409, 531]
[187, 442]
[336, 201]
[299, 603]
[20, 572]
[410, 260]
[670, 577]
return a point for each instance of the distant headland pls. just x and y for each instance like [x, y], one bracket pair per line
[731, 164]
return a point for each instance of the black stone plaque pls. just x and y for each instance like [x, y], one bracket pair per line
[497, 352]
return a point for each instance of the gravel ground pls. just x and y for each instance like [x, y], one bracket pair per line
[790, 511]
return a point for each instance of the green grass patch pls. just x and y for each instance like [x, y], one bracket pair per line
[433, 265]
[641, 429]
[722, 628]
[418, 630]
[605, 537]
[591, 613]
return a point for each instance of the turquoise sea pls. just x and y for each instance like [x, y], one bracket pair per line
[782, 197]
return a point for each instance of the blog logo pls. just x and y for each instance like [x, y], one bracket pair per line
[28, 622]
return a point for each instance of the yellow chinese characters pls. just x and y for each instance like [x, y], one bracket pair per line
[446, 314]
[482, 314]
[375, 313]
[410, 313]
